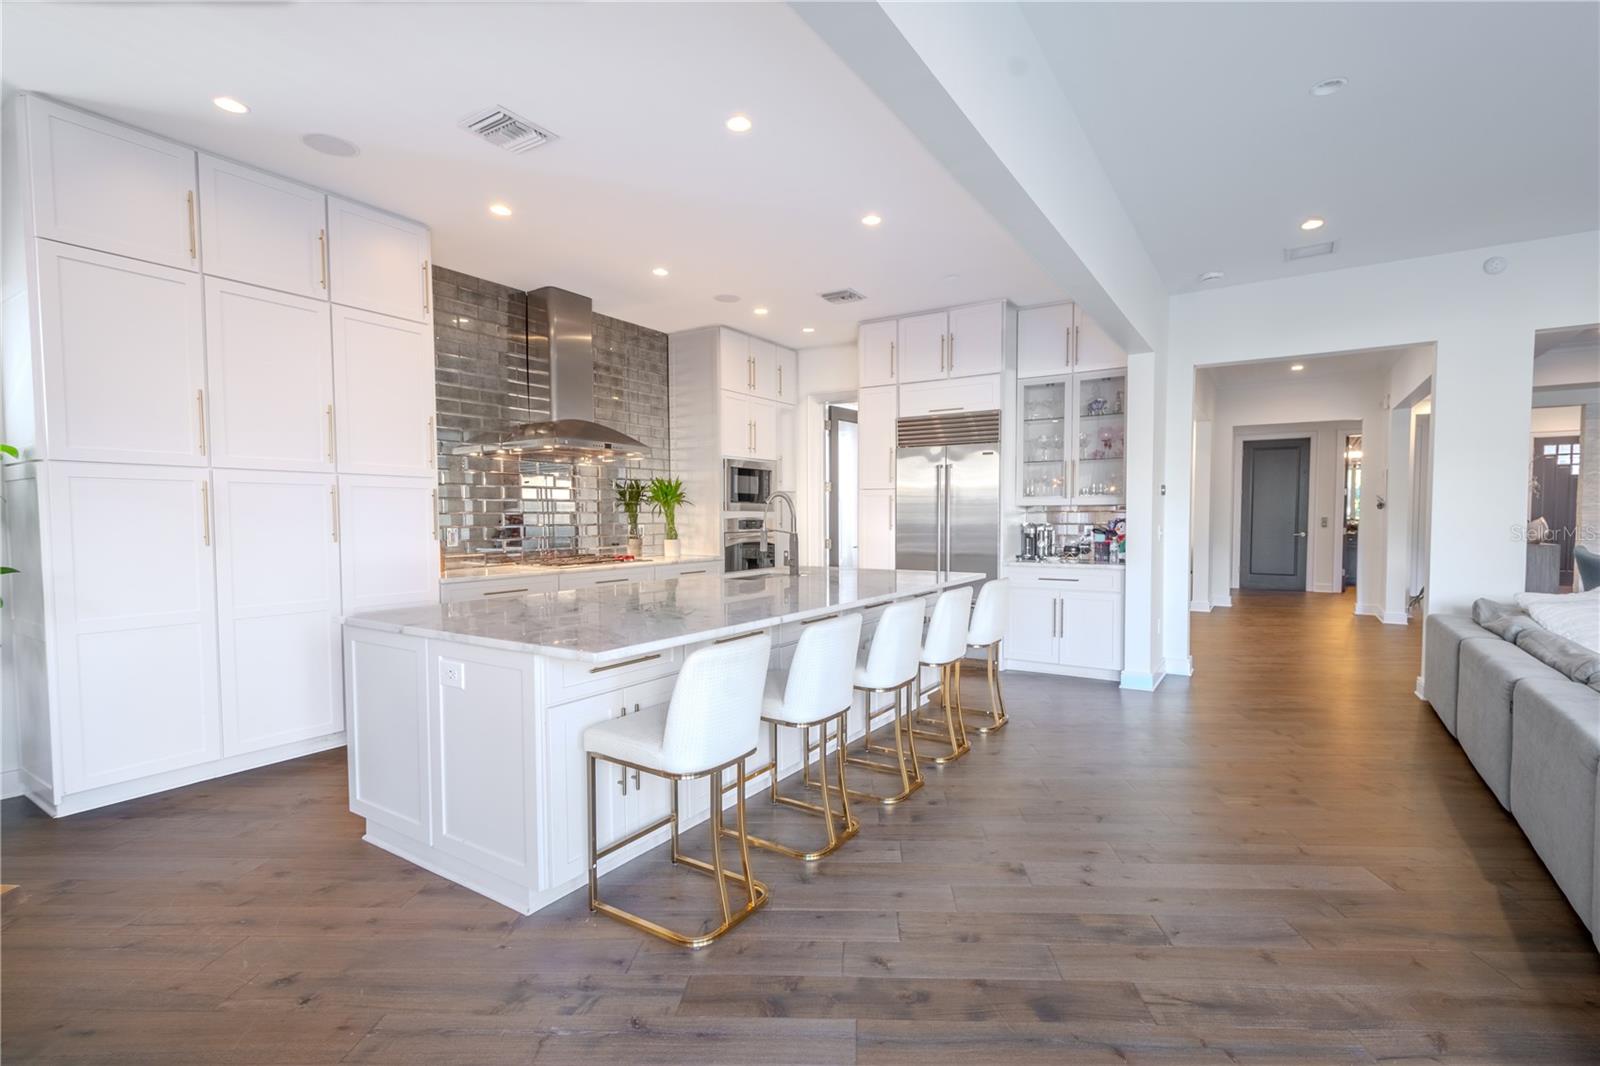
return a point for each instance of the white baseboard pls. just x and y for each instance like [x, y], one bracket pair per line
[1142, 682]
[1420, 694]
[1395, 618]
[1200, 606]
[1182, 667]
[1369, 609]
[10, 783]
[1222, 601]
[1324, 586]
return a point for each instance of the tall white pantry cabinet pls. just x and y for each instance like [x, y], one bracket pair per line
[221, 385]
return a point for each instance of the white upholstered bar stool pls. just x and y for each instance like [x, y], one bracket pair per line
[815, 693]
[891, 666]
[711, 725]
[943, 648]
[985, 632]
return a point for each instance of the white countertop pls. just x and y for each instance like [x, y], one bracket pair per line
[494, 570]
[612, 622]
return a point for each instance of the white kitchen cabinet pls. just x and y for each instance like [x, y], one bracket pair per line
[587, 579]
[788, 367]
[668, 570]
[466, 590]
[277, 608]
[1091, 630]
[876, 413]
[123, 358]
[1044, 340]
[259, 228]
[951, 396]
[922, 347]
[270, 364]
[765, 417]
[1093, 348]
[749, 428]
[736, 372]
[787, 442]
[976, 343]
[1073, 439]
[386, 691]
[764, 366]
[645, 797]
[875, 352]
[133, 585]
[378, 261]
[875, 530]
[1065, 620]
[483, 754]
[1033, 630]
[566, 777]
[383, 394]
[388, 541]
[100, 184]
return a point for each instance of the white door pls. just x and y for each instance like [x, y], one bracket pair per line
[258, 228]
[102, 185]
[566, 776]
[922, 343]
[977, 340]
[378, 261]
[764, 365]
[736, 373]
[383, 394]
[484, 757]
[788, 375]
[277, 608]
[1044, 340]
[875, 352]
[875, 429]
[875, 526]
[386, 689]
[134, 590]
[388, 542]
[1094, 348]
[270, 363]
[124, 358]
[765, 417]
[738, 431]
[1033, 626]
[1091, 630]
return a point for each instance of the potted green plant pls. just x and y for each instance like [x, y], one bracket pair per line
[630, 495]
[666, 495]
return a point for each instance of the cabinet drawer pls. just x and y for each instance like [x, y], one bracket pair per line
[566, 680]
[949, 397]
[601, 578]
[462, 591]
[1074, 579]
[709, 567]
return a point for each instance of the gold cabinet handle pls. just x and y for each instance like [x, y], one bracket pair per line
[193, 244]
[433, 519]
[205, 512]
[330, 433]
[427, 302]
[322, 255]
[780, 379]
[891, 360]
[432, 445]
[333, 493]
[952, 351]
[623, 663]
[200, 406]
[941, 351]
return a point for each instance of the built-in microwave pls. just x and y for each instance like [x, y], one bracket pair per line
[747, 483]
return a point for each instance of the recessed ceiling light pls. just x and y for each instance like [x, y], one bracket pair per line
[500, 210]
[328, 144]
[871, 220]
[230, 105]
[1329, 86]
[739, 123]
[726, 298]
[1297, 367]
[659, 272]
[808, 329]
[1313, 223]
[1210, 275]
[759, 310]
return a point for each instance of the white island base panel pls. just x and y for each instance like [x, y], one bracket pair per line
[466, 720]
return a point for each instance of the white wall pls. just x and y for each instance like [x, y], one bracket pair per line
[1483, 327]
[1567, 366]
[827, 375]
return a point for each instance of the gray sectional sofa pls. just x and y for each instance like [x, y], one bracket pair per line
[1525, 707]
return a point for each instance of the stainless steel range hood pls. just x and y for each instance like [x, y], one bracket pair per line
[571, 434]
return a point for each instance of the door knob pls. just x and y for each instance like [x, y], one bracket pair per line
[1301, 534]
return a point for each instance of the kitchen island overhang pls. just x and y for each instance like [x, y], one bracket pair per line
[466, 719]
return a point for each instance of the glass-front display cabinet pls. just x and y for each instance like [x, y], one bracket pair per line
[1074, 439]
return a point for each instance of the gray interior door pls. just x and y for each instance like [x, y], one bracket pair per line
[972, 508]
[918, 539]
[1272, 526]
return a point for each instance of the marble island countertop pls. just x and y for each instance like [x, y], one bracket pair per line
[494, 570]
[612, 622]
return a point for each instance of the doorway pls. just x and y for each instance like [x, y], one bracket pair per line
[1553, 496]
[840, 488]
[1273, 516]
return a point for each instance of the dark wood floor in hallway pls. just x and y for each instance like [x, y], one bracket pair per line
[1283, 859]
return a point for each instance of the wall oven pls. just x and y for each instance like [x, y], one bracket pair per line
[746, 484]
[742, 548]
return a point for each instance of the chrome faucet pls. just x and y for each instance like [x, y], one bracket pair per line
[794, 534]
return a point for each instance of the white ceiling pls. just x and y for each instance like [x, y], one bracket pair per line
[644, 174]
[1464, 124]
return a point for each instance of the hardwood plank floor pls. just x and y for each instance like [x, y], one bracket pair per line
[1283, 859]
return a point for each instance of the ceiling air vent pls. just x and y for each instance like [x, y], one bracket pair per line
[842, 296]
[505, 130]
[1310, 251]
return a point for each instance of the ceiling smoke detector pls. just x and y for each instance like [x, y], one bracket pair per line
[1310, 251]
[842, 296]
[503, 129]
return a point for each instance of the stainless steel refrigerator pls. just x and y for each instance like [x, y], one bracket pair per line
[947, 493]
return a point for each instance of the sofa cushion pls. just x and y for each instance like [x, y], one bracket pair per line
[1490, 671]
[1566, 657]
[1442, 635]
[1576, 617]
[1555, 753]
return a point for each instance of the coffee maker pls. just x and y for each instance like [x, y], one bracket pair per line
[1038, 541]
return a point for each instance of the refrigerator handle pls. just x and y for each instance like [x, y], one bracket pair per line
[947, 480]
[939, 531]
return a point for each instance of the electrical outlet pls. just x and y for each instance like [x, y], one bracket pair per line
[1324, 521]
[452, 674]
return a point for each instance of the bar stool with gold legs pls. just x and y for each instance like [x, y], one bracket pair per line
[942, 651]
[891, 666]
[710, 726]
[815, 694]
[985, 632]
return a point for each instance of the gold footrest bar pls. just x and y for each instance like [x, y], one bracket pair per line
[904, 750]
[991, 721]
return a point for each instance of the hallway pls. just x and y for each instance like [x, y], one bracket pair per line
[1284, 858]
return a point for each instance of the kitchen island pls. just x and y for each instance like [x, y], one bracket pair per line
[466, 719]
